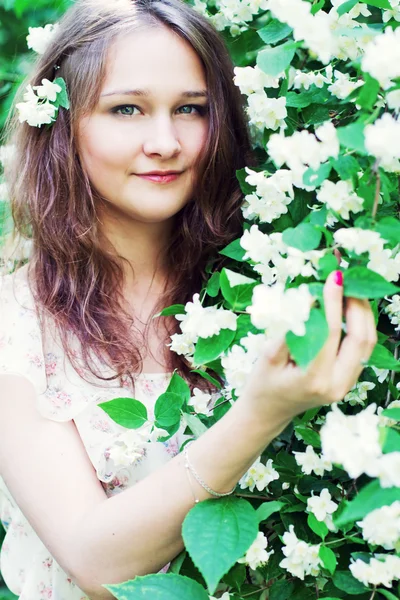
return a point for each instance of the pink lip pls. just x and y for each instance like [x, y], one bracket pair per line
[160, 178]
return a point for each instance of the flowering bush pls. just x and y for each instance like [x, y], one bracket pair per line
[312, 518]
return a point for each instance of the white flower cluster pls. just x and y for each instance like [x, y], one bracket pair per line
[382, 260]
[340, 198]
[343, 86]
[393, 12]
[199, 321]
[199, 401]
[393, 310]
[272, 196]
[265, 112]
[309, 461]
[359, 450]
[315, 30]
[259, 476]
[302, 150]
[39, 38]
[252, 80]
[382, 569]
[381, 527]
[287, 262]
[301, 558]
[322, 507]
[129, 446]
[305, 79]
[278, 311]
[240, 359]
[382, 57]
[7, 154]
[382, 140]
[37, 108]
[257, 555]
[232, 13]
[358, 393]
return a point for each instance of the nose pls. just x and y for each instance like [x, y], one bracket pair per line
[162, 138]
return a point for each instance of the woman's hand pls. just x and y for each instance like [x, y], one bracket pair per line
[280, 390]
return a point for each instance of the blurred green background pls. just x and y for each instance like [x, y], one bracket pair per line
[16, 16]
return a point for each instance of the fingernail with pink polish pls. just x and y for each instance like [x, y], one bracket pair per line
[338, 278]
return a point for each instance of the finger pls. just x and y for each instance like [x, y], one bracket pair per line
[356, 347]
[333, 300]
[277, 352]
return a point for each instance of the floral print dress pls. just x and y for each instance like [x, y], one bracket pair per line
[62, 395]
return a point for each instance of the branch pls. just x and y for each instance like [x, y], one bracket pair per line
[377, 191]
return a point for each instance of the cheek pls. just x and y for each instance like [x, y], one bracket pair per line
[101, 151]
[196, 140]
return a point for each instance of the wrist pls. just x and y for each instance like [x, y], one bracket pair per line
[266, 426]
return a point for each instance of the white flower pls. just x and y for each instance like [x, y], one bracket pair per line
[393, 310]
[278, 311]
[129, 446]
[39, 37]
[251, 80]
[381, 570]
[382, 139]
[36, 115]
[359, 240]
[3, 191]
[343, 86]
[259, 476]
[205, 322]
[321, 506]
[387, 468]
[340, 197]
[183, 343]
[381, 527]
[385, 263]
[270, 200]
[381, 375]
[309, 461]
[358, 393]
[199, 401]
[240, 360]
[257, 555]
[260, 247]
[301, 558]
[264, 112]
[359, 445]
[7, 154]
[47, 90]
[382, 57]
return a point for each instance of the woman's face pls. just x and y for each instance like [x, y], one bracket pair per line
[151, 116]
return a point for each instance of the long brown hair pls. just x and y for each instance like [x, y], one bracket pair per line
[75, 279]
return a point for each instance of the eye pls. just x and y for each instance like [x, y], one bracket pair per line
[199, 108]
[126, 110]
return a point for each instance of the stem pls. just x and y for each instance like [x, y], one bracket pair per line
[373, 593]
[255, 592]
[254, 496]
[377, 191]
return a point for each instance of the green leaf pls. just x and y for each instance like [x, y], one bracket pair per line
[274, 32]
[175, 309]
[326, 265]
[389, 229]
[377, 3]
[234, 250]
[345, 581]
[244, 327]
[212, 288]
[217, 533]
[360, 282]
[265, 510]
[127, 412]
[281, 590]
[274, 61]
[346, 7]
[178, 385]
[237, 289]
[304, 237]
[387, 594]
[352, 137]
[382, 358]
[371, 496]
[317, 527]
[392, 413]
[309, 436]
[346, 166]
[390, 441]
[167, 410]
[196, 426]
[304, 349]
[62, 97]
[368, 92]
[241, 176]
[161, 586]
[328, 558]
[315, 178]
[207, 377]
[176, 564]
[236, 576]
[208, 349]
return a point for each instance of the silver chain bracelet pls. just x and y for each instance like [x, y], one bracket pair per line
[189, 465]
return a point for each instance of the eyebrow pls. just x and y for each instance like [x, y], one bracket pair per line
[146, 93]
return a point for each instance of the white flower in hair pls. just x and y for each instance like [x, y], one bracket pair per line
[39, 37]
[47, 90]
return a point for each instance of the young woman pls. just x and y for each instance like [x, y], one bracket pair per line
[127, 196]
